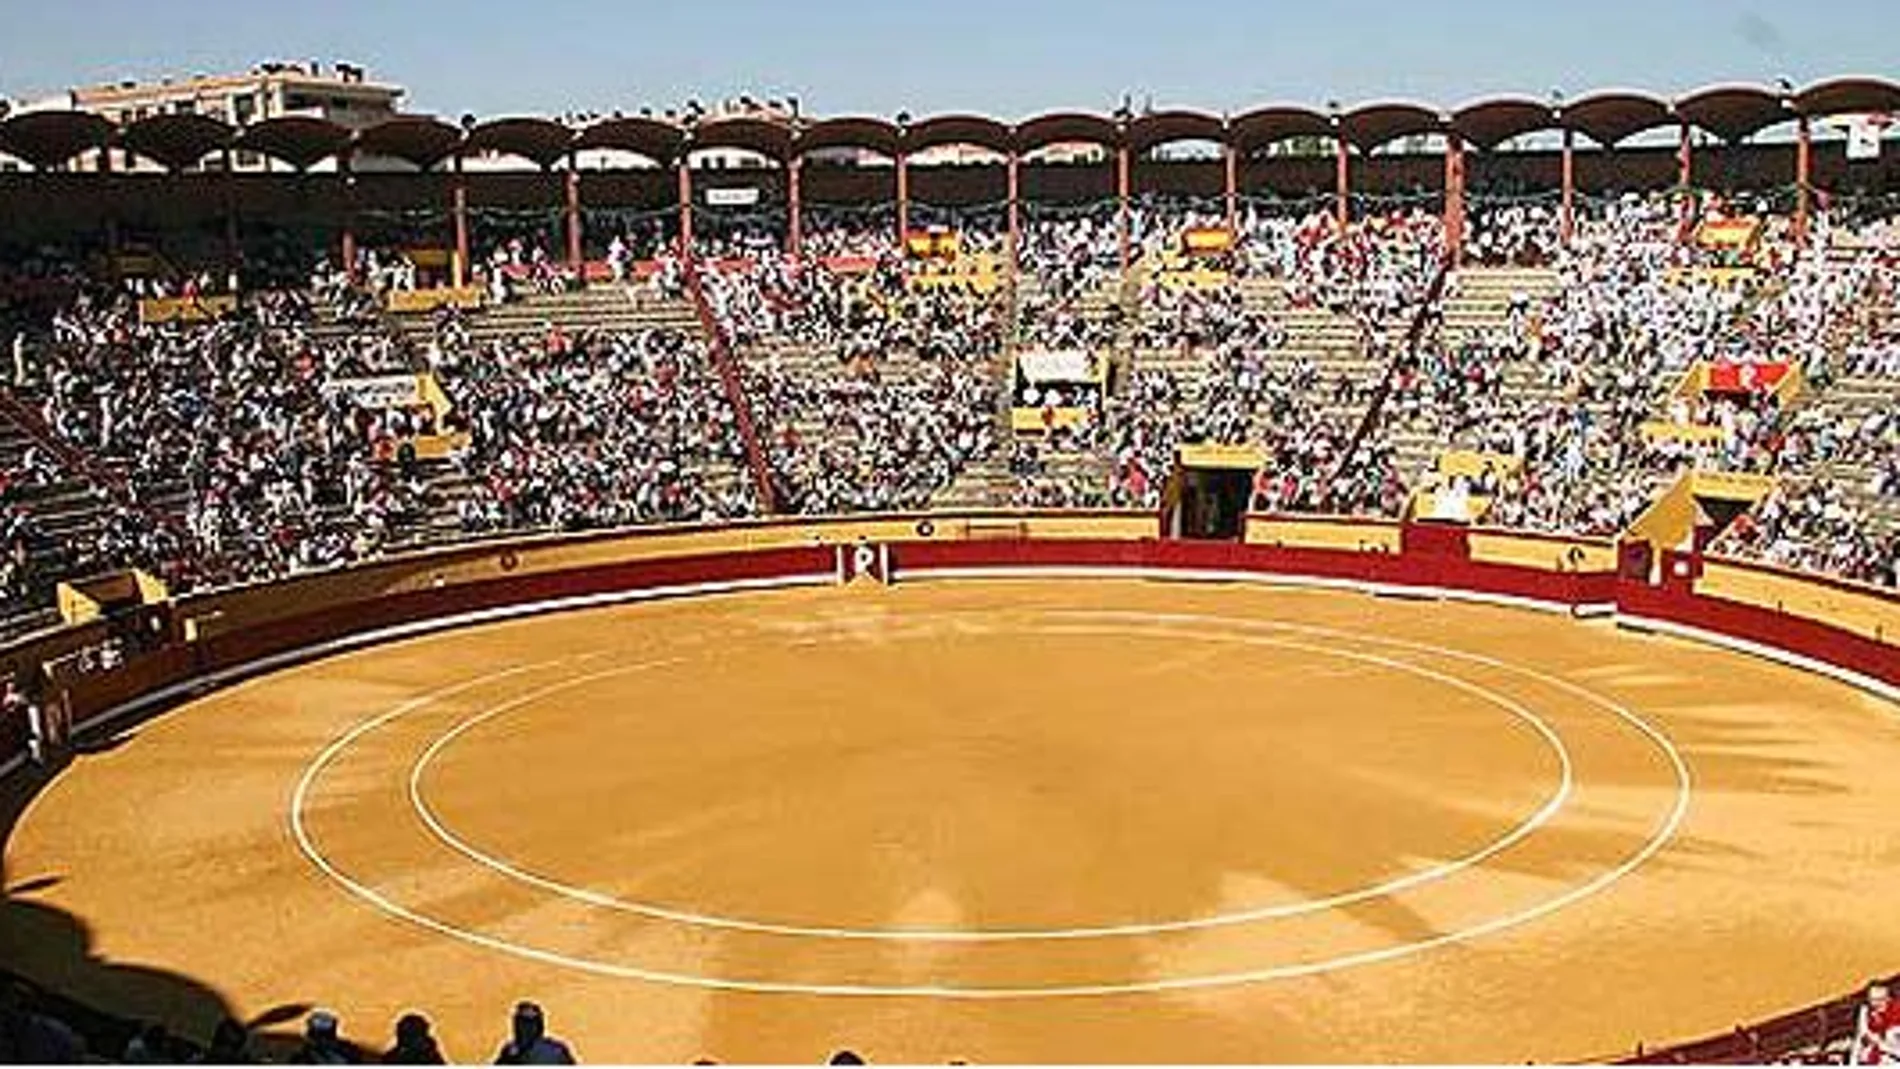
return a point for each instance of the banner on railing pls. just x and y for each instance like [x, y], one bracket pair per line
[733, 197]
[936, 243]
[1207, 240]
[1727, 377]
[154, 310]
[1730, 234]
[379, 391]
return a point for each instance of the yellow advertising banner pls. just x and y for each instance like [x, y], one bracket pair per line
[933, 244]
[1205, 240]
[154, 310]
[1740, 232]
[420, 302]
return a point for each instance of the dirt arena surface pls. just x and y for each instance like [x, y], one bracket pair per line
[996, 821]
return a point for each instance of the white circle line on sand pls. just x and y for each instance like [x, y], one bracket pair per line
[1652, 846]
[1542, 815]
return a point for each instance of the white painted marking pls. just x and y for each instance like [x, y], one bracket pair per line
[1650, 848]
[1542, 815]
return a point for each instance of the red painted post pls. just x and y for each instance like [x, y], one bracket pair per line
[1015, 209]
[458, 271]
[575, 254]
[1567, 223]
[794, 204]
[1342, 182]
[1455, 199]
[1685, 157]
[346, 167]
[686, 207]
[1803, 178]
[903, 198]
[1232, 188]
[1122, 184]
[232, 246]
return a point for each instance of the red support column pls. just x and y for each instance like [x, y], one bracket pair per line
[346, 168]
[112, 217]
[576, 256]
[1685, 157]
[1122, 184]
[903, 198]
[794, 204]
[1232, 188]
[1455, 199]
[686, 207]
[1803, 178]
[1567, 221]
[1015, 210]
[1342, 183]
[232, 246]
[458, 271]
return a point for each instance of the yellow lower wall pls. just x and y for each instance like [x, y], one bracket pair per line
[1866, 614]
[1320, 534]
[1549, 554]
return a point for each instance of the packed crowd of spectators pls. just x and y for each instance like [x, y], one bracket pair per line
[870, 394]
[218, 454]
[1811, 525]
[594, 430]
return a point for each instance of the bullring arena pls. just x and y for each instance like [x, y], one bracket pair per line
[736, 798]
[1387, 584]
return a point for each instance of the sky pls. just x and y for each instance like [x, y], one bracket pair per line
[1007, 58]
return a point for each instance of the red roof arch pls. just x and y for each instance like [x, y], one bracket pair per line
[1368, 126]
[540, 141]
[1254, 130]
[1164, 127]
[418, 139]
[938, 130]
[766, 137]
[1847, 95]
[299, 140]
[52, 138]
[1613, 115]
[177, 141]
[866, 132]
[656, 139]
[1062, 126]
[1490, 123]
[1733, 112]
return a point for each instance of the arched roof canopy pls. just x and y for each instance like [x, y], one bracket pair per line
[1261, 127]
[957, 130]
[51, 138]
[540, 141]
[1847, 96]
[1059, 127]
[299, 140]
[656, 140]
[1732, 112]
[1615, 115]
[1163, 127]
[176, 141]
[877, 135]
[772, 140]
[1490, 123]
[418, 139]
[1370, 125]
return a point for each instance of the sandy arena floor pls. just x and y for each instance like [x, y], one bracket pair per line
[993, 821]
